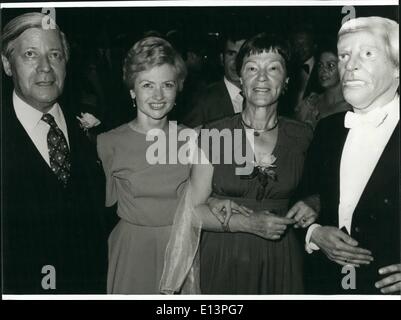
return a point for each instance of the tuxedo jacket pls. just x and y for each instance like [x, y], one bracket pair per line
[376, 219]
[46, 224]
[213, 104]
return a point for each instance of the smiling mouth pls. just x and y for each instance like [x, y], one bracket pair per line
[157, 106]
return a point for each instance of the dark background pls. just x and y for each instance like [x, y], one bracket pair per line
[196, 27]
[125, 25]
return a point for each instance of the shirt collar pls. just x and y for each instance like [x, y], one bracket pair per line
[376, 117]
[233, 90]
[30, 117]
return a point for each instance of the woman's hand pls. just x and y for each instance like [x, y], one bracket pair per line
[267, 225]
[223, 209]
[303, 214]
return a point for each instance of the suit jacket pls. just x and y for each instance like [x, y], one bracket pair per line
[44, 223]
[213, 104]
[288, 102]
[376, 219]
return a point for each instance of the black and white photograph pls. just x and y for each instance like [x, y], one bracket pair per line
[212, 150]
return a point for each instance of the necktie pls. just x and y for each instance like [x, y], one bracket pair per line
[59, 152]
[374, 119]
[305, 67]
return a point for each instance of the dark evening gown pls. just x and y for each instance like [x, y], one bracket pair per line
[242, 263]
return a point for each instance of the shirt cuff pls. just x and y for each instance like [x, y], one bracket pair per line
[310, 246]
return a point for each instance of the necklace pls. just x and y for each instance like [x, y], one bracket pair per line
[257, 132]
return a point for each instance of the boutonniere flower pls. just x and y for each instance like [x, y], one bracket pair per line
[88, 121]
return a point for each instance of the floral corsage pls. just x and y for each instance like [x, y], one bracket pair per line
[264, 169]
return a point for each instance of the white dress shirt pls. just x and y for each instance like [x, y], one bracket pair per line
[368, 136]
[37, 129]
[235, 95]
[362, 150]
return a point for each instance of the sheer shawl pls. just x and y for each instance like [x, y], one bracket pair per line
[181, 263]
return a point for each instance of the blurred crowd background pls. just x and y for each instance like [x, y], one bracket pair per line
[100, 37]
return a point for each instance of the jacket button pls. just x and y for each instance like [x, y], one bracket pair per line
[357, 229]
[373, 217]
[386, 201]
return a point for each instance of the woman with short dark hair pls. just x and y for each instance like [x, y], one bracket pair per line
[254, 253]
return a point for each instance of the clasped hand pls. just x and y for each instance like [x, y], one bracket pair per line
[262, 223]
[303, 215]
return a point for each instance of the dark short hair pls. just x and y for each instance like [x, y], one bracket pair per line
[20, 24]
[328, 45]
[233, 35]
[303, 28]
[263, 42]
[148, 53]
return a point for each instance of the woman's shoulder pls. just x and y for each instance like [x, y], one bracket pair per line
[116, 132]
[114, 135]
[299, 133]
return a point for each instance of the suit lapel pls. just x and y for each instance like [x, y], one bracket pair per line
[342, 137]
[226, 103]
[312, 84]
[19, 141]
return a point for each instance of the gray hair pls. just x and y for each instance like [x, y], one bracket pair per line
[386, 28]
[20, 24]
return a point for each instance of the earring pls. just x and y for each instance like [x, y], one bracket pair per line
[134, 103]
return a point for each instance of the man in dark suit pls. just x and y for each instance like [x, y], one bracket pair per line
[222, 98]
[355, 169]
[53, 239]
[303, 73]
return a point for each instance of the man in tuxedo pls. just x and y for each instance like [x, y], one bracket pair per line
[222, 98]
[53, 237]
[303, 74]
[355, 169]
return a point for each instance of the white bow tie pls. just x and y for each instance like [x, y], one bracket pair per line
[373, 118]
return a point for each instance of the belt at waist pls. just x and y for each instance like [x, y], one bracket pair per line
[278, 206]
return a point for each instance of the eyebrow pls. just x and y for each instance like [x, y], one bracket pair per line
[144, 80]
[271, 61]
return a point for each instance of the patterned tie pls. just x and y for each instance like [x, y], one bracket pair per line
[59, 152]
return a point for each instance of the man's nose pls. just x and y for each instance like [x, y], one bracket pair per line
[44, 64]
[352, 63]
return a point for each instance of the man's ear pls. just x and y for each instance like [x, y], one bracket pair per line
[6, 65]
[132, 93]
